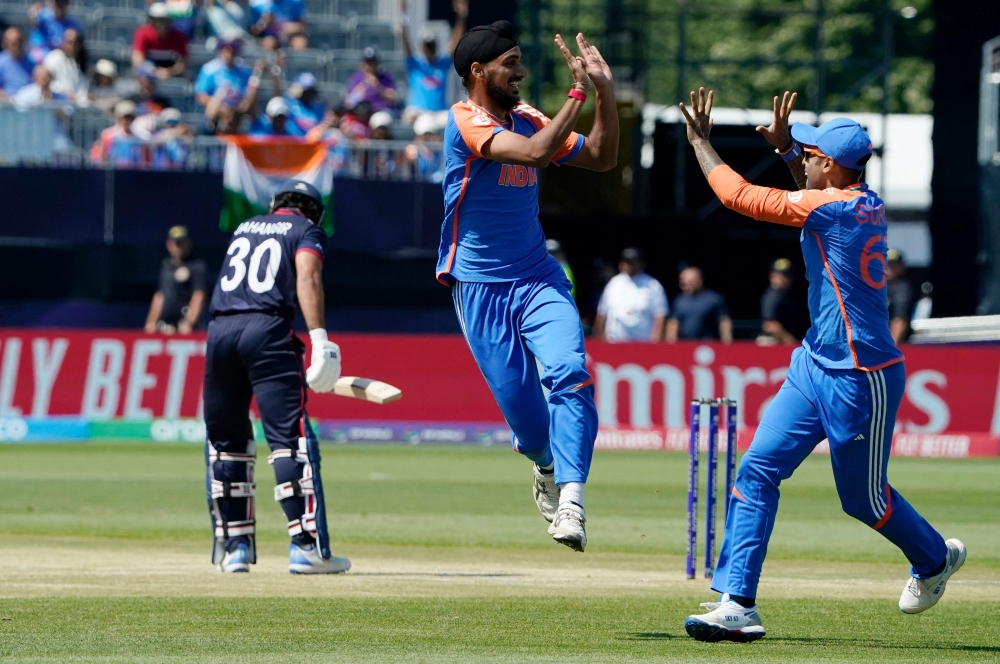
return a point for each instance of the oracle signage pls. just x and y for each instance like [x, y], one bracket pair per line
[642, 390]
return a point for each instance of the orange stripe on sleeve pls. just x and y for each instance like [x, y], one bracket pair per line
[790, 208]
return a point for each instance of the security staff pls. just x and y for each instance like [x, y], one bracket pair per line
[180, 300]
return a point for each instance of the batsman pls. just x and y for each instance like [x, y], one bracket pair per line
[514, 303]
[273, 270]
[846, 380]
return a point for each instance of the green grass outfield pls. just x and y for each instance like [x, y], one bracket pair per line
[104, 558]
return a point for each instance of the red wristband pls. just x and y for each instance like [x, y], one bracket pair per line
[577, 95]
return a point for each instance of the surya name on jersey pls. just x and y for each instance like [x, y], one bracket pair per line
[867, 214]
[518, 176]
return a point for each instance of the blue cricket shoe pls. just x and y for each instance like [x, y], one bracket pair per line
[306, 560]
[237, 560]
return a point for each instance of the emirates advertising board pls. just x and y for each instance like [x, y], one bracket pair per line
[65, 386]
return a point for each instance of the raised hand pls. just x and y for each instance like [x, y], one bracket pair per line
[777, 133]
[700, 125]
[577, 65]
[596, 67]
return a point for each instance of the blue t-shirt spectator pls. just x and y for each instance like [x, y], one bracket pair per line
[48, 33]
[304, 116]
[275, 121]
[428, 82]
[698, 314]
[215, 74]
[264, 126]
[14, 74]
[284, 11]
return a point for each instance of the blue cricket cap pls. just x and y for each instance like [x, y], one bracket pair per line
[841, 139]
[306, 80]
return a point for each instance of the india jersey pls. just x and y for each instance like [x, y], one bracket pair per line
[844, 243]
[491, 230]
[259, 271]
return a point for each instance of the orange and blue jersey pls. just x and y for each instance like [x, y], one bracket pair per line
[491, 231]
[844, 385]
[843, 242]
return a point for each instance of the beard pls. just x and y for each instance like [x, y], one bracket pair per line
[500, 96]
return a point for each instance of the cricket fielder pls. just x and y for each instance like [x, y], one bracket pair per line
[274, 269]
[513, 300]
[845, 382]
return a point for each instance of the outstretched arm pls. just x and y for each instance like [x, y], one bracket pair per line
[404, 29]
[461, 8]
[763, 203]
[777, 134]
[539, 149]
[698, 129]
[600, 148]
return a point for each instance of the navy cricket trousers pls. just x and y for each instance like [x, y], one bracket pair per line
[255, 356]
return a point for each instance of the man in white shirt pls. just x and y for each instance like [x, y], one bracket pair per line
[633, 306]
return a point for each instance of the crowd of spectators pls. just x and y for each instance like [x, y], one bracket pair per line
[244, 89]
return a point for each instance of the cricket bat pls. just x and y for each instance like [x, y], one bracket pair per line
[367, 389]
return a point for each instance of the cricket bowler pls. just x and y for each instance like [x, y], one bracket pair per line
[846, 380]
[513, 301]
[273, 270]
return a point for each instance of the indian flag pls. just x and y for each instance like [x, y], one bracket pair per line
[256, 167]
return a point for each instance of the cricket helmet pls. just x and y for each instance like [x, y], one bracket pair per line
[302, 196]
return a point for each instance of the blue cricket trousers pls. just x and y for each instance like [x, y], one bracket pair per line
[856, 411]
[516, 330]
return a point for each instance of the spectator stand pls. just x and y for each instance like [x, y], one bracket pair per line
[114, 24]
[338, 30]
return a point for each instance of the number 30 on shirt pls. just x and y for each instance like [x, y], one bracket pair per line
[238, 251]
[867, 256]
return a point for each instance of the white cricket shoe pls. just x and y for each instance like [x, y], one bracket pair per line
[237, 560]
[568, 526]
[726, 620]
[546, 493]
[921, 594]
[306, 560]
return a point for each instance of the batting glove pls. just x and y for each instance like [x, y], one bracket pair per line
[324, 367]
